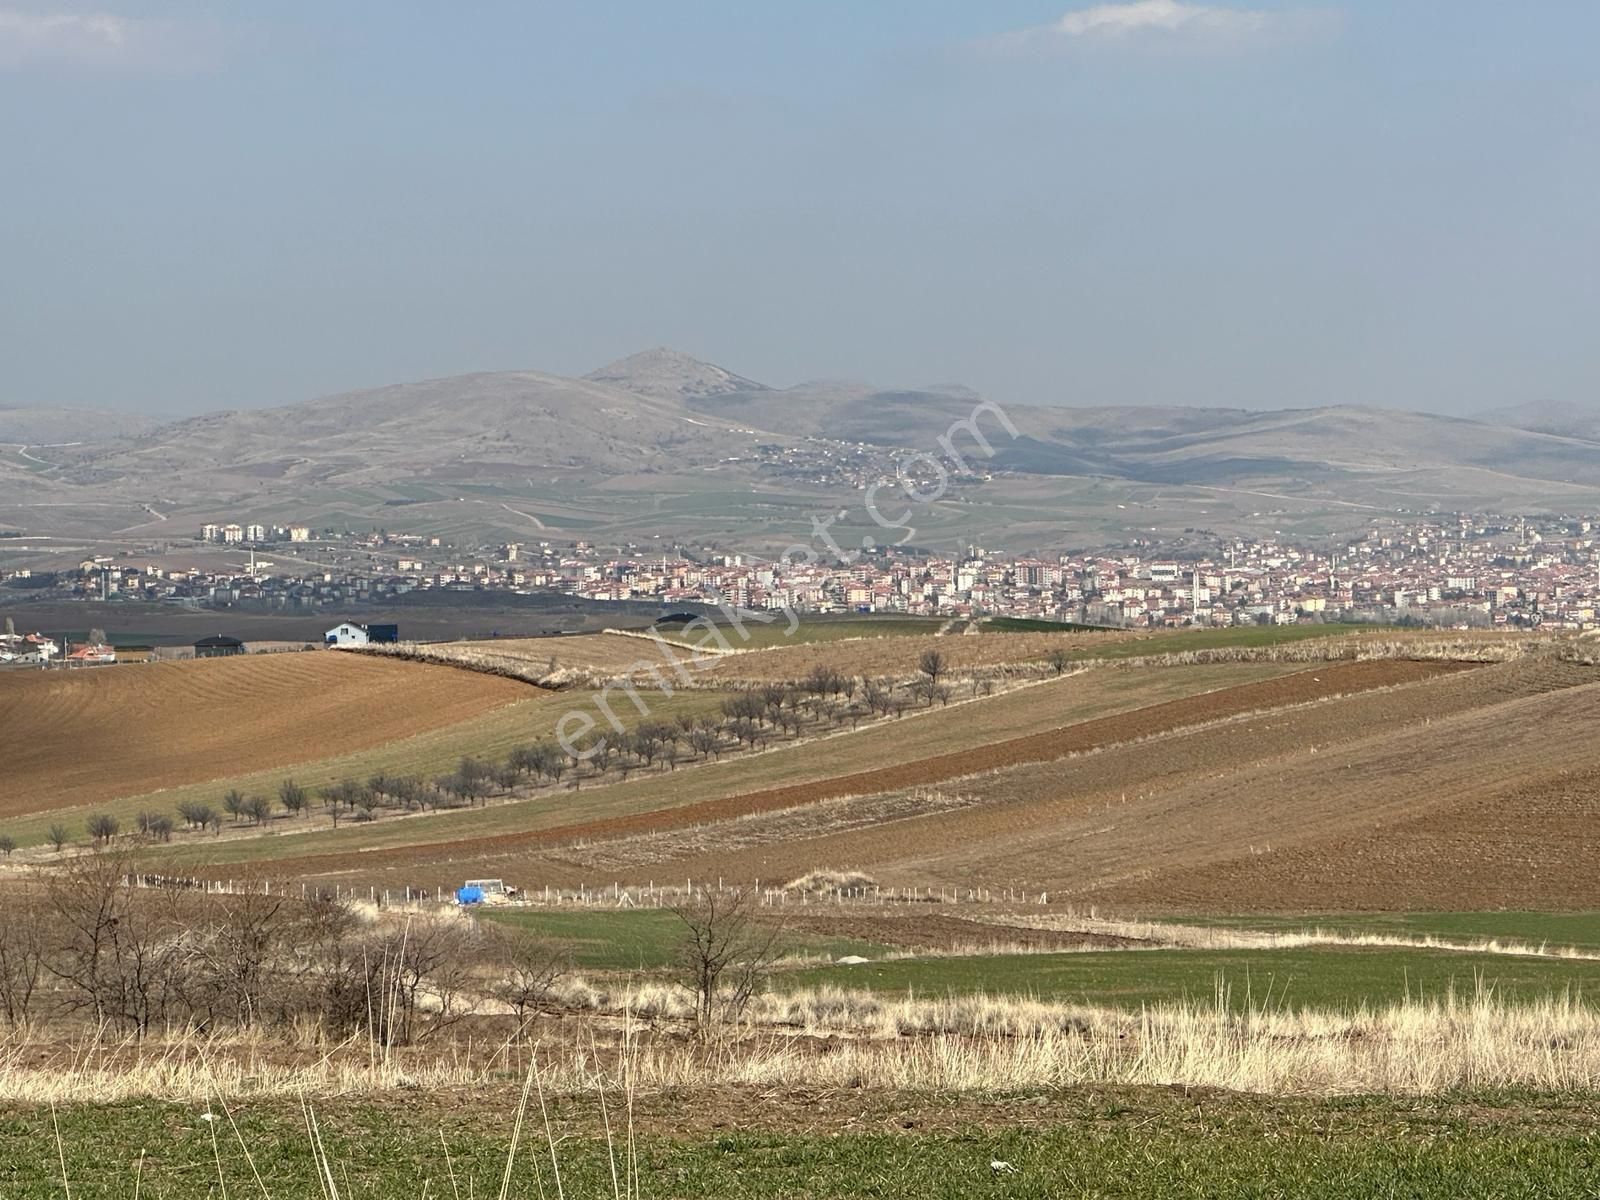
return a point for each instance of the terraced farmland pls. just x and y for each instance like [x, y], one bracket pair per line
[616, 812]
[1479, 788]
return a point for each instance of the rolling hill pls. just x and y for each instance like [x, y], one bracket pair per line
[34, 426]
[662, 443]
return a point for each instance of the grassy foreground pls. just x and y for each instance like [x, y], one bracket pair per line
[1130, 1143]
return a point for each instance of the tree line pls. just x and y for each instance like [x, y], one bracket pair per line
[753, 718]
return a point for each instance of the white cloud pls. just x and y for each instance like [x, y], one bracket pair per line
[98, 39]
[1165, 22]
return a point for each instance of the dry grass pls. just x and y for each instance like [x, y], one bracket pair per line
[1201, 937]
[897, 657]
[966, 1044]
[558, 663]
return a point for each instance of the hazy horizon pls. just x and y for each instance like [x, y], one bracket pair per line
[1248, 205]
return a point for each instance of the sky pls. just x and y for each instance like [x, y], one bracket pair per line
[1247, 204]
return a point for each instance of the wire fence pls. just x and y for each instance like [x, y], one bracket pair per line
[615, 896]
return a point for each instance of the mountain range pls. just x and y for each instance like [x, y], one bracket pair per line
[664, 445]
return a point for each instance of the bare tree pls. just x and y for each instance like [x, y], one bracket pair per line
[123, 952]
[155, 827]
[293, 797]
[102, 827]
[824, 681]
[412, 982]
[58, 837]
[1059, 660]
[933, 665]
[876, 697]
[704, 742]
[7, 844]
[529, 971]
[243, 938]
[725, 953]
[24, 922]
[195, 814]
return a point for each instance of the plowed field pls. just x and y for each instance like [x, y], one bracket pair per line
[1319, 683]
[1478, 791]
[79, 737]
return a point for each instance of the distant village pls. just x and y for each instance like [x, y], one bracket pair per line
[1454, 570]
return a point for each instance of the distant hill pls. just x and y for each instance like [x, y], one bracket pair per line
[663, 445]
[454, 427]
[665, 374]
[54, 426]
[1569, 420]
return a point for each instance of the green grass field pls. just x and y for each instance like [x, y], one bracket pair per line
[1335, 976]
[738, 1145]
[645, 940]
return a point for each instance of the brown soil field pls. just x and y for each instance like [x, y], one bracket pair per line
[1320, 683]
[1040, 706]
[79, 737]
[1428, 798]
[1490, 843]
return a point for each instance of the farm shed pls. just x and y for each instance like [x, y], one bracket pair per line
[218, 646]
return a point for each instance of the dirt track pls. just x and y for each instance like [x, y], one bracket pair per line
[1320, 682]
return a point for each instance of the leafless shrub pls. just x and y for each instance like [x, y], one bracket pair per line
[122, 953]
[23, 942]
[725, 954]
[528, 971]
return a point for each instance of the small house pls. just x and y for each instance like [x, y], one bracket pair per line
[218, 646]
[349, 633]
[90, 654]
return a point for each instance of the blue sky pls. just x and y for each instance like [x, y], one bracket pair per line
[1157, 202]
